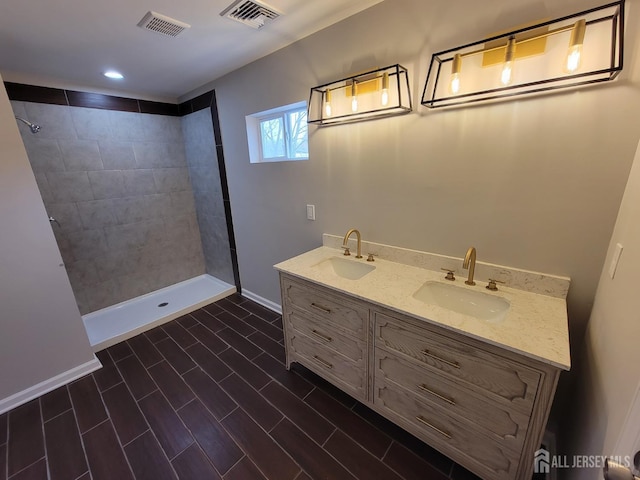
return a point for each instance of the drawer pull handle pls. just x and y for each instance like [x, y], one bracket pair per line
[321, 336]
[321, 308]
[433, 427]
[424, 388]
[440, 359]
[322, 362]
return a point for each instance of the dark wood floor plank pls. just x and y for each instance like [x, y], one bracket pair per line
[65, 453]
[209, 393]
[303, 476]
[193, 465]
[145, 351]
[187, 321]
[54, 403]
[272, 348]
[211, 309]
[288, 378]
[87, 403]
[232, 307]
[208, 338]
[235, 323]
[171, 384]
[244, 368]
[37, 471]
[461, 473]
[236, 298]
[208, 362]
[298, 412]
[105, 456]
[251, 401]
[179, 334]
[3, 428]
[147, 460]
[329, 388]
[261, 449]
[165, 423]
[245, 470]
[105, 358]
[265, 327]
[136, 377]
[352, 424]
[357, 460]
[107, 377]
[260, 311]
[311, 457]
[3, 462]
[123, 410]
[240, 343]
[156, 335]
[176, 357]
[409, 465]
[119, 351]
[212, 438]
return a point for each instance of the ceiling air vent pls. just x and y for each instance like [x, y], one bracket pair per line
[250, 12]
[162, 24]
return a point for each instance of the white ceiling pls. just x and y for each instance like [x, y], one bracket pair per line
[69, 43]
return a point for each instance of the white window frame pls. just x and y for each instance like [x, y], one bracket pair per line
[254, 132]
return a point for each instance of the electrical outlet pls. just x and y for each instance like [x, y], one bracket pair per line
[311, 212]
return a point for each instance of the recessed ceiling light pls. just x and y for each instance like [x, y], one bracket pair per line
[113, 74]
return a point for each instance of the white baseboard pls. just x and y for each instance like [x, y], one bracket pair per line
[262, 301]
[48, 385]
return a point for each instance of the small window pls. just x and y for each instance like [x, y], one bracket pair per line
[278, 135]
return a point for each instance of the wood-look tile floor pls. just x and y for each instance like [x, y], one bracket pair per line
[207, 396]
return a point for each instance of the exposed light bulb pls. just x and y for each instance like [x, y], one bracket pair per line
[456, 65]
[574, 54]
[507, 70]
[354, 97]
[327, 104]
[384, 97]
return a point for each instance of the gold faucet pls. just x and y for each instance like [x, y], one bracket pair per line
[470, 263]
[358, 238]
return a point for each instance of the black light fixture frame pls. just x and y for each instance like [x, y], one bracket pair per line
[445, 57]
[397, 71]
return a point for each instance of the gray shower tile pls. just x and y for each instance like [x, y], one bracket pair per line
[117, 155]
[82, 273]
[115, 263]
[123, 237]
[91, 123]
[202, 154]
[100, 295]
[182, 203]
[70, 186]
[97, 214]
[131, 286]
[80, 154]
[44, 154]
[177, 156]
[18, 108]
[138, 182]
[126, 126]
[154, 155]
[43, 186]
[131, 209]
[87, 244]
[172, 179]
[67, 216]
[107, 184]
[55, 120]
[162, 128]
[158, 206]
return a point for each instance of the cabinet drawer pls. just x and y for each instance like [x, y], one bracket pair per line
[327, 335]
[497, 421]
[445, 432]
[328, 306]
[504, 380]
[349, 375]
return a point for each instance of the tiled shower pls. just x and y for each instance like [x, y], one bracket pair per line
[136, 197]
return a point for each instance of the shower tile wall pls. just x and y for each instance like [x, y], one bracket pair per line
[202, 160]
[118, 184]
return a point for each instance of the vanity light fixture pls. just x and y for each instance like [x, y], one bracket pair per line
[373, 94]
[575, 50]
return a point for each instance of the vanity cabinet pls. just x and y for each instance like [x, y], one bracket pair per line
[481, 405]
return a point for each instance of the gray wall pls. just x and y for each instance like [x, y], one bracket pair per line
[532, 183]
[42, 334]
[118, 184]
[202, 160]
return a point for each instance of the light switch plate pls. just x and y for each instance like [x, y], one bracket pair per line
[311, 212]
[615, 259]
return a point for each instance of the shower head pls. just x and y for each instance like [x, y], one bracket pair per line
[32, 126]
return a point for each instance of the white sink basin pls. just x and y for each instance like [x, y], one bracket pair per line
[344, 268]
[463, 300]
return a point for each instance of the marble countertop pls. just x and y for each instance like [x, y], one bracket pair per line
[535, 325]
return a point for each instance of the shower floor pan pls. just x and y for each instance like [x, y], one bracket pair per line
[119, 322]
